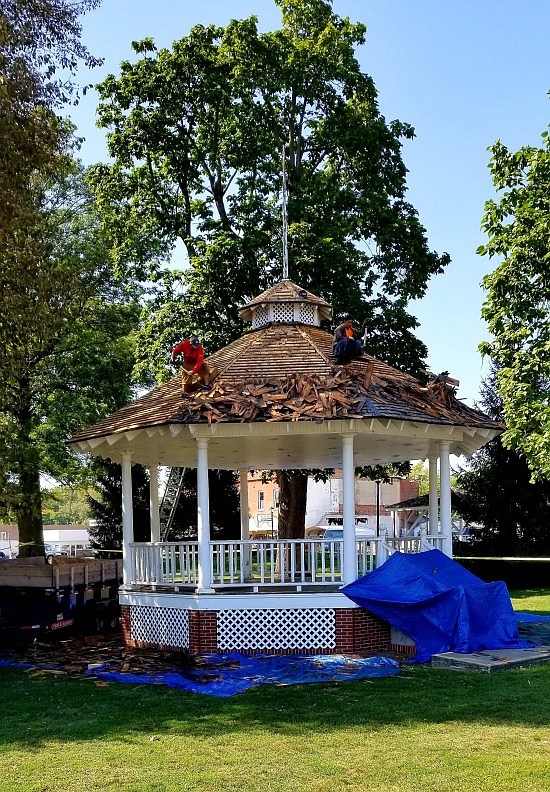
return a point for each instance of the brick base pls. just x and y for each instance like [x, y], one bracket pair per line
[203, 632]
[361, 632]
[356, 632]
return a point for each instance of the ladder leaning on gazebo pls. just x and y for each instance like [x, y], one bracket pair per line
[170, 500]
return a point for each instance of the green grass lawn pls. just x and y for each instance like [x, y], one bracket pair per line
[532, 601]
[421, 731]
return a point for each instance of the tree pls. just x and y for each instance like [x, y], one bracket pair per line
[421, 475]
[38, 280]
[66, 505]
[37, 38]
[106, 509]
[196, 135]
[495, 490]
[225, 520]
[518, 294]
[67, 350]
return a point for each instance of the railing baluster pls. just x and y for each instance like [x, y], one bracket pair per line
[272, 561]
[261, 550]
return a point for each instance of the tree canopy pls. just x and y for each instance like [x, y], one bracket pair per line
[196, 135]
[67, 354]
[495, 490]
[38, 38]
[53, 267]
[66, 505]
[518, 295]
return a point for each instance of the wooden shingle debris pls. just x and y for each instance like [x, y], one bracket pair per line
[443, 388]
[347, 391]
[295, 397]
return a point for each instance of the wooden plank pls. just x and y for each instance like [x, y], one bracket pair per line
[48, 576]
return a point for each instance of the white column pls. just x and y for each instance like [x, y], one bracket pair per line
[433, 519]
[154, 502]
[445, 498]
[245, 523]
[349, 571]
[203, 518]
[127, 518]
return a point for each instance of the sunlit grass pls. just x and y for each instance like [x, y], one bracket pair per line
[532, 600]
[421, 731]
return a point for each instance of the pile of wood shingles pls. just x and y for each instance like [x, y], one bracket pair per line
[308, 397]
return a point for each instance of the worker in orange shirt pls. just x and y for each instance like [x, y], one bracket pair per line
[195, 371]
[346, 344]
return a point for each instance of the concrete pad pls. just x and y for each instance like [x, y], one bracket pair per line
[490, 660]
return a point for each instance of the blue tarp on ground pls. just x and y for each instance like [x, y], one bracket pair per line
[439, 604]
[228, 674]
[531, 617]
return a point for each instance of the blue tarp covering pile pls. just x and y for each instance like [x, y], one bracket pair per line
[439, 604]
[228, 674]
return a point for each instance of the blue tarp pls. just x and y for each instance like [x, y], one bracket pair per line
[439, 604]
[228, 674]
[531, 617]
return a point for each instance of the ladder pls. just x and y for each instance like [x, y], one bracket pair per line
[170, 500]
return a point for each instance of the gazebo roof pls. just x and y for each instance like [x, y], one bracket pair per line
[280, 401]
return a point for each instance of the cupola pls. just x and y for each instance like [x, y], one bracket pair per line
[285, 303]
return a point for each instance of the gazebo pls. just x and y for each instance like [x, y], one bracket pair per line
[278, 402]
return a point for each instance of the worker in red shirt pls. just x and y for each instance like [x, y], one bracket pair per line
[194, 370]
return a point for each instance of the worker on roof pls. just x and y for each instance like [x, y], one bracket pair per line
[346, 343]
[195, 372]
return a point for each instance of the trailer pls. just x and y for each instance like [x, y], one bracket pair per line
[68, 594]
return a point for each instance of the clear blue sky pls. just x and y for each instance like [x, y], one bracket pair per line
[463, 73]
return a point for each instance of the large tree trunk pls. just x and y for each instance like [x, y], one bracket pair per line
[292, 503]
[29, 506]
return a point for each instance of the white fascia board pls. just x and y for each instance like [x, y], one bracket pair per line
[228, 601]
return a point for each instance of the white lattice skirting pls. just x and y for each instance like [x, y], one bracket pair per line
[277, 629]
[161, 626]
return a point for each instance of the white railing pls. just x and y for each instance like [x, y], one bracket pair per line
[165, 563]
[266, 562]
[413, 544]
[277, 562]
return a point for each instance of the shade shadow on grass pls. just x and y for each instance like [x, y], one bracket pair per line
[38, 707]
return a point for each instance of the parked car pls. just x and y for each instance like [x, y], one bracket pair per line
[53, 550]
[361, 532]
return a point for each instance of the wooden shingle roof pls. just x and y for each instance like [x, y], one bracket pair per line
[286, 372]
[281, 401]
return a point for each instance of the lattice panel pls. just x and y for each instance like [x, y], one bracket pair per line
[162, 626]
[277, 629]
[307, 314]
[260, 317]
[283, 312]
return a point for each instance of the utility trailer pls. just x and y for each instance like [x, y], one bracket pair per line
[78, 594]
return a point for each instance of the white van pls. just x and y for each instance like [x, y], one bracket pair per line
[361, 532]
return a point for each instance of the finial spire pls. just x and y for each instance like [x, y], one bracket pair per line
[285, 221]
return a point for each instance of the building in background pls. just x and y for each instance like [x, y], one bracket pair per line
[325, 499]
[65, 539]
